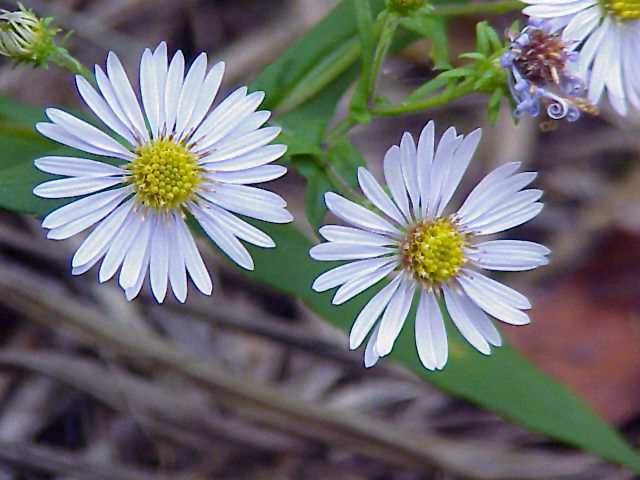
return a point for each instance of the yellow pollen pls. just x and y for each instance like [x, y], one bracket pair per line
[433, 251]
[624, 9]
[164, 174]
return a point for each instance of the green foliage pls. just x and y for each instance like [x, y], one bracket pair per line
[435, 29]
[505, 382]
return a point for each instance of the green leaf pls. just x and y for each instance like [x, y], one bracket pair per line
[434, 28]
[346, 158]
[493, 107]
[482, 38]
[315, 61]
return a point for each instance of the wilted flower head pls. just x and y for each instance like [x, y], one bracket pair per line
[541, 80]
[25, 37]
[607, 34]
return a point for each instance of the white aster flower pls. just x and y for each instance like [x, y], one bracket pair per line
[607, 33]
[176, 160]
[427, 252]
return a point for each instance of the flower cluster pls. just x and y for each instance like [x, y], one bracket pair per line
[541, 78]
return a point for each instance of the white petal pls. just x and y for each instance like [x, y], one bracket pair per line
[102, 143]
[74, 186]
[82, 223]
[395, 181]
[241, 146]
[443, 158]
[458, 167]
[132, 292]
[161, 65]
[134, 258]
[263, 173]
[506, 294]
[225, 120]
[357, 215]
[371, 312]
[339, 233]
[103, 110]
[480, 321]
[394, 317]
[495, 197]
[206, 96]
[508, 255]
[120, 245]
[150, 90]
[431, 335]
[192, 259]
[77, 167]
[190, 92]
[243, 206]
[424, 161]
[248, 125]
[159, 260]
[228, 243]
[463, 322]
[109, 94]
[173, 88]
[332, 251]
[100, 237]
[357, 285]
[261, 156]
[492, 303]
[251, 195]
[371, 356]
[125, 95]
[350, 271]
[80, 208]
[511, 219]
[487, 183]
[177, 267]
[239, 228]
[220, 112]
[376, 195]
[409, 170]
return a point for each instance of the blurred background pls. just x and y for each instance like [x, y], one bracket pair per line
[71, 407]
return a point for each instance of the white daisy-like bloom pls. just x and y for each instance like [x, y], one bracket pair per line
[607, 34]
[174, 160]
[427, 253]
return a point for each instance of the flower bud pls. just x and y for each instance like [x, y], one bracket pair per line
[25, 37]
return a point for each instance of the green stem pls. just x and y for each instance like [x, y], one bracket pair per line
[387, 30]
[448, 94]
[339, 182]
[65, 60]
[498, 7]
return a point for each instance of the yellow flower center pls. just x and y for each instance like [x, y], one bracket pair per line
[624, 9]
[164, 174]
[433, 250]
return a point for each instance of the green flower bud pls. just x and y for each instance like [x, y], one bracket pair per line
[25, 37]
[404, 6]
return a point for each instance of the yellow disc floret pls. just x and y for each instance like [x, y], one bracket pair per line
[433, 251]
[624, 9]
[164, 174]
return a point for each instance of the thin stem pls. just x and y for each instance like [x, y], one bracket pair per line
[442, 98]
[387, 31]
[498, 7]
[65, 60]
